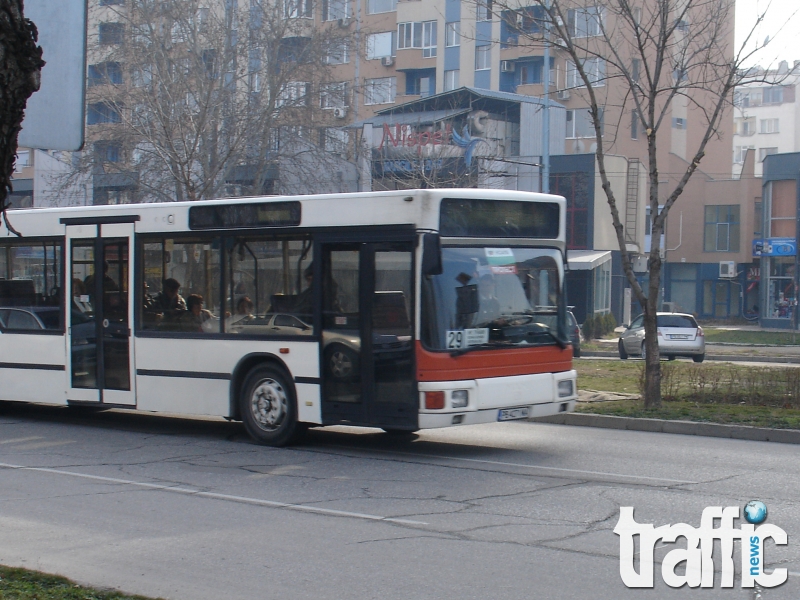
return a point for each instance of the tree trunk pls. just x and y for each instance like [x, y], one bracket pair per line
[652, 383]
[20, 75]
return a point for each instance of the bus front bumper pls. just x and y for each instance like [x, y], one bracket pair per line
[498, 399]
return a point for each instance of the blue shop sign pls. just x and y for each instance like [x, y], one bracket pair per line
[782, 246]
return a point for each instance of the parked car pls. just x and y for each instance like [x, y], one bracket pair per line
[574, 332]
[678, 335]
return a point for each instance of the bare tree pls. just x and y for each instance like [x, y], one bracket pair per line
[643, 63]
[193, 101]
[20, 75]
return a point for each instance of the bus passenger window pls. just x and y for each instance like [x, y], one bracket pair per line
[183, 272]
[30, 281]
[269, 286]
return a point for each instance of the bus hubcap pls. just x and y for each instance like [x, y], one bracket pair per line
[269, 404]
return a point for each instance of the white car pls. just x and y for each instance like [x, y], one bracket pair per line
[678, 335]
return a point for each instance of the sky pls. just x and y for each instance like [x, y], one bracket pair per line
[781, 24]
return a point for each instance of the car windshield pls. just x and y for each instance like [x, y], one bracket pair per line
[494, 297]
[676, 321]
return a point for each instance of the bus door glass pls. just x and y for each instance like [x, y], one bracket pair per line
[367, 335]
[100, 357]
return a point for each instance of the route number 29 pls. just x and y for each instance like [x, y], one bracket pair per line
[455, 339]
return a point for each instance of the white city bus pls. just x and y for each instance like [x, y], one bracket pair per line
[403, 310]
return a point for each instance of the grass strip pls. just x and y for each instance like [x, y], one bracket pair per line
[733, 336]
[24, 584]
[726, 414]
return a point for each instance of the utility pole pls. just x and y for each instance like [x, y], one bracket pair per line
[546, 116]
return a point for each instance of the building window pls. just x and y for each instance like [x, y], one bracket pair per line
[110, 33]
[635, 68]
[409, 35]
[634, 124]
[683, 286]
[429, 39]
[382, 90]
[452, 34]
[421, 83]
[333, 95]
[293, 94]
[782, 208]
[740, 153]
[334, 140]
[772, 95]
[108, 151]
[337, 53]
[765, 152]
[209, 58]
[297, 9]
[781, 287]
[380, 45]
[721, 233]
[579, 123]
[769, 126]
[602, 288]
[23, 160]
[678, 123]
[746, 126]
[595, 69]
[451, 80]
[102, 112]
[483, 58]
[333, 10]
[529, 72]
[483, 10]
[586, 22]
[381, 6]
[102, 73]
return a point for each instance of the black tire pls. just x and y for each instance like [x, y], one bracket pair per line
[644, 351]
[341, 363]
[622, 353]
[698, 358]
[576, 352]
[671, 357]
[268, 405]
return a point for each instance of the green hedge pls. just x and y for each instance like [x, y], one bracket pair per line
[598, 326]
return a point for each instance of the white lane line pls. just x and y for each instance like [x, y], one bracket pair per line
[526, 466]
[217, 496]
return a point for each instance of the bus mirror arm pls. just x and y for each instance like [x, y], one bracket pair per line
[431, 254]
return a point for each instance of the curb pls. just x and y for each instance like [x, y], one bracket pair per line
[725, 357]
[736, 432]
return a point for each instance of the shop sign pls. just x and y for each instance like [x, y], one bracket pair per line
[782, 246]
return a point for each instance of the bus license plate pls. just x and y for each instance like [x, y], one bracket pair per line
[509, 414]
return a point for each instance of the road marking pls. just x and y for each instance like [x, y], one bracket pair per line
[525, 466]
[217, 496]
[40, 445]
[20, 440]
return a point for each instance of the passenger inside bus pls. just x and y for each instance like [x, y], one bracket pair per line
[244, 312]
[197, 318]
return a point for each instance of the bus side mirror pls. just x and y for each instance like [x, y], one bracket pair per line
[431, 254]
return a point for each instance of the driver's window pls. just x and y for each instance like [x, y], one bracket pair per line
[637, 322]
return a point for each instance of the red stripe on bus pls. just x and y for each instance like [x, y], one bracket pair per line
[478, 364]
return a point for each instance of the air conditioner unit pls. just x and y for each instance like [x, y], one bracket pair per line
[727, 269]
[387, 61]
[340, 112]
[560, 42]
[507, 66]
[344, 23]
[640, 263]
[562, 94]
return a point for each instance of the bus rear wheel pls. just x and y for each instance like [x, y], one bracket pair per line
[269, 407]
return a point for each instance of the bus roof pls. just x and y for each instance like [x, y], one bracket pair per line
[419, 208]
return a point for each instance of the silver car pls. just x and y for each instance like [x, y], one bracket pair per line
[678, 335]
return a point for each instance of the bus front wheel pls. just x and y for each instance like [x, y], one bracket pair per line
[269, 407]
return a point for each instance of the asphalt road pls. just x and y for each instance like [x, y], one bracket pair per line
[191, 509]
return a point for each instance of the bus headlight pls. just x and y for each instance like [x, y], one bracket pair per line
[565, 388]
[459, 398]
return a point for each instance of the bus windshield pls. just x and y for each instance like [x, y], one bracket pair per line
[489, 297]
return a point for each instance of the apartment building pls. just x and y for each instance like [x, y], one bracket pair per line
[767, 116]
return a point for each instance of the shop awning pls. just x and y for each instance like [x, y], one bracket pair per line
[587, 260]
[427, 117]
